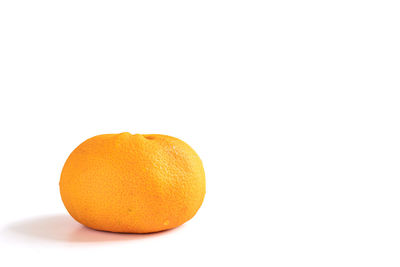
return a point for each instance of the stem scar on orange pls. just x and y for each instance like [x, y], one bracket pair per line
[133, 183]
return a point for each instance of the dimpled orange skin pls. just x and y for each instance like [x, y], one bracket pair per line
[132, 183]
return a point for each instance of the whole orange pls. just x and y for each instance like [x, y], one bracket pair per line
[133, 183]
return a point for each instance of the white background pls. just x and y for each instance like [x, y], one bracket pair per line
[292, 105]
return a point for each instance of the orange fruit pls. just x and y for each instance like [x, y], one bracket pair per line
[132, 183]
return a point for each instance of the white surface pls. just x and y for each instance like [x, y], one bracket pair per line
[292, 105]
